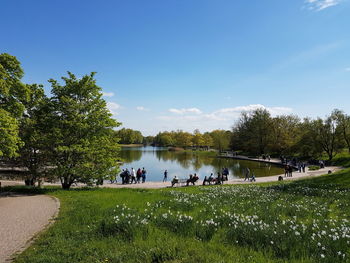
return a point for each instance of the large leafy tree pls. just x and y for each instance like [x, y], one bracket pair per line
[13, 94]
[9, 139]
[343, 124]
[34, 134]
[84, 144]
[252, 133]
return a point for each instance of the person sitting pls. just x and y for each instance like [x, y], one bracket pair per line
[174, 181]
[218, 179]
[193, 178]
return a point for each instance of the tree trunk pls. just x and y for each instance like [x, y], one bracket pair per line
[29, 182]
[66, 186]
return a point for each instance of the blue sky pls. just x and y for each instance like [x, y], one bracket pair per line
[186, 64]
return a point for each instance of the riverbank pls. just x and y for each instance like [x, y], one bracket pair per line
[156, 185]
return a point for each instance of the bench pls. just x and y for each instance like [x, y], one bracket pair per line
[179, 182]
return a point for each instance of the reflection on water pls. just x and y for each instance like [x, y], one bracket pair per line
[156, 160]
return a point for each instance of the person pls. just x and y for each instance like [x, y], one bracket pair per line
[165, 176]
[299, 167]
[143, 174]
[252, 179]
[286, 170]
[218, 179]
[127, 176]
[189, 180]
[174, 181]
[211, 178]
[247, 174]
[303, 167]
[138, 175]
[290, 171]
[205, 180]
[122, 175]
[133, 175]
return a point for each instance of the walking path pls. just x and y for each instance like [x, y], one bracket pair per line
[21, 218]
[156, 185]
[296, 175]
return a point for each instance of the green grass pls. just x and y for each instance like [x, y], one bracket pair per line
[342, 159]
[301, 221]
[314, 167]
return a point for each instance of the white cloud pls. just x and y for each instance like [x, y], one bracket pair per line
[186, 111]
[220, 119]
[347, 69]
[318, 5]
[107, 94]
[113, 107]
[141, 108]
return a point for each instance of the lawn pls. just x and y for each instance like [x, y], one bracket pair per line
[301, 221]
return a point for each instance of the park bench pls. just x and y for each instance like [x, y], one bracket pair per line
[180, 182]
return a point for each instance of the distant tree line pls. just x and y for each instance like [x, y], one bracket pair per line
[129, 136]
[257, 133]
[68, 136]
[217, 139]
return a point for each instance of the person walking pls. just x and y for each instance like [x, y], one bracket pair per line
[133, 175]
[165, 176]
[247, 174]
[143, 174]
[138, 175]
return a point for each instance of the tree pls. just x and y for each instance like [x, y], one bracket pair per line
[9, 139]
[13, 93]
[284, 132]
[129, 136]
[343, 123]
[328, 135]
[84, 146]
[253, 131]
[220, 139]
[197, 138]
[183, 139]
[33, 133]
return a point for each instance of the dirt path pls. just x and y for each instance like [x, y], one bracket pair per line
[21, 218]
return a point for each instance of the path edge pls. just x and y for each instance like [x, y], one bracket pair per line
[36, 236]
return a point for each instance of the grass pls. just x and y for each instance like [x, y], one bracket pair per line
[300, 221]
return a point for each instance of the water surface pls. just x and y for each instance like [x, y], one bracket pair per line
[156, 160]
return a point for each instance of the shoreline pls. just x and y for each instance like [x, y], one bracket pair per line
[158, 185]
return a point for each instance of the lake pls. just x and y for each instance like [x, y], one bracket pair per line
[157, 159]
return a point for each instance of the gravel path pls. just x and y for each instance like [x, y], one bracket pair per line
[21, 218]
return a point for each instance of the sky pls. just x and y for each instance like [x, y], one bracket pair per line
[189, 64]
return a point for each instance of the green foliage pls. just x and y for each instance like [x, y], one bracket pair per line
[221, 139]
[84, 145]
[13, 95]
[33, 132]
[314, 167]
[129, 136]
[253, 132]
[9, 139]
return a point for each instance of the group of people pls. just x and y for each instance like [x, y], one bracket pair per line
[129, 177]
[249, 176]
[288, 171]
[219, 179]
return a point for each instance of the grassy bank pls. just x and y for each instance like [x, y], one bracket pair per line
[302, 221]
[131, 145]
